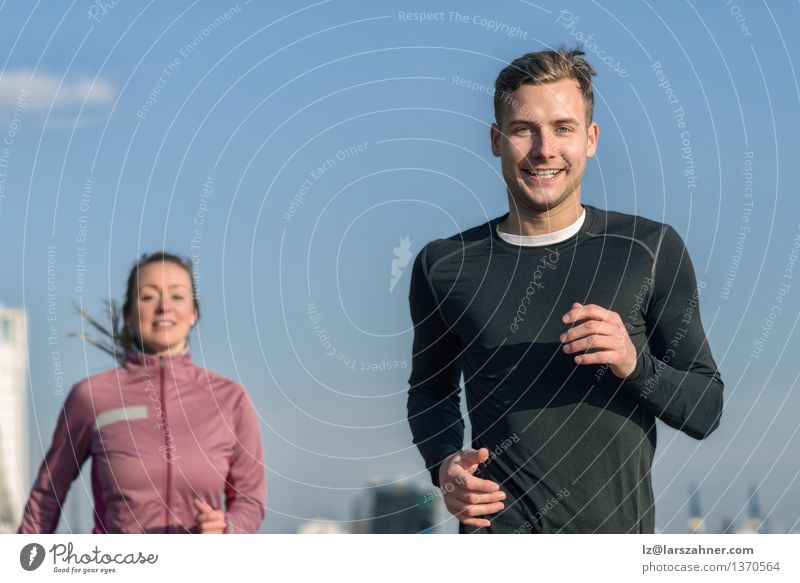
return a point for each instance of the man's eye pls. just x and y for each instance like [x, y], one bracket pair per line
[523, 131]
[564, 129]
[177, 298]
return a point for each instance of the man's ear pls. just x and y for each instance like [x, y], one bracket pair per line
[592, 135]
[495, 136]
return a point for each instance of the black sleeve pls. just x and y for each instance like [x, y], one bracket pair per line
[678, 380]
[433, 396]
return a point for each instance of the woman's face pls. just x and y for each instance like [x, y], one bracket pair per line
[163, 311]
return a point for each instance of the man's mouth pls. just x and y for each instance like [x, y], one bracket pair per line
[543, 173]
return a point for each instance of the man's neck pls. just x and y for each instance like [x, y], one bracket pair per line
[520, 222]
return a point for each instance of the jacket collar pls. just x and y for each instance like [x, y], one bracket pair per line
[135, 357]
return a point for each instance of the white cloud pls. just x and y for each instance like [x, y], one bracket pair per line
[40, 90]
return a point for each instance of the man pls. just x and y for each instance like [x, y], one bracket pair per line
[574, 329]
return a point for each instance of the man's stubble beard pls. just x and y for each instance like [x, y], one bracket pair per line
[525, 205]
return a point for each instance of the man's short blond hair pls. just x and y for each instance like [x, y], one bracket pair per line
[545, 67]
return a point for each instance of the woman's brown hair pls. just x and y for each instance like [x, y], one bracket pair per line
[118, 338]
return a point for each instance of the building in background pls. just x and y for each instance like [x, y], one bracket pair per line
[755, 523]
[728, 526]
[13, 417]
[697, 524]
[396, 508]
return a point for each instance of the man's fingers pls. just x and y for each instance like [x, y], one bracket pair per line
[201, 506]
[477, 522]
[571, 315]
[462, 509]
[594, 343]
[478, 485]
[588, 312]
[474, 457]
[467, 496]
[471, 497]
[602, 357]
[589, 328]
[597, 330]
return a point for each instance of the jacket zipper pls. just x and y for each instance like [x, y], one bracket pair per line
[166, 448]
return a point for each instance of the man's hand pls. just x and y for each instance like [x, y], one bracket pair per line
[466, 496]
[209, 521]
[601, 337]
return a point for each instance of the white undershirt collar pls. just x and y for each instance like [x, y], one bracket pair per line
[546, 238]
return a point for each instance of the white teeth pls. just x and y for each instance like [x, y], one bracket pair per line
[546, 173]
[165, 324]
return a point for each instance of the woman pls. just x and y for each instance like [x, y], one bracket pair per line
[168, 439]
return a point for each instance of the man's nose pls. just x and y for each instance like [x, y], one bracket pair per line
[544, 146]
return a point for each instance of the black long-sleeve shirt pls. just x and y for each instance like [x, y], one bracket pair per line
[571, 445]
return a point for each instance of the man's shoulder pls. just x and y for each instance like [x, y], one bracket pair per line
[647, 232]
[459, 244]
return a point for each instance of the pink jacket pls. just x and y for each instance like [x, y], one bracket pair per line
[161, 432]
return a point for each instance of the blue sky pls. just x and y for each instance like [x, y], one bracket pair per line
[290, 147]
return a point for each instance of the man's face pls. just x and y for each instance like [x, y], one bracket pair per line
[543, 143]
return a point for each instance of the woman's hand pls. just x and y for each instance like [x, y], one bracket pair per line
[209, 521]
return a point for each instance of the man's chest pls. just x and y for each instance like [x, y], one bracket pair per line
[507, 299]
